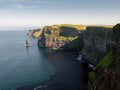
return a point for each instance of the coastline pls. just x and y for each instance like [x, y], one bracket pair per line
[69, 74]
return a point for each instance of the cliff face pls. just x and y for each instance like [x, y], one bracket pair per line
[60, 37]
[97, 39]
[97, 42]
[34, 33]
[106, 76]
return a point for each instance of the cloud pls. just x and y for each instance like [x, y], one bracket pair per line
[20, 6]
[4, 11]
[27, 1]
[33, 1]
[30, 3]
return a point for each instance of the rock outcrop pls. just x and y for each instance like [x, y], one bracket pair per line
[60, 37]
[35, 33]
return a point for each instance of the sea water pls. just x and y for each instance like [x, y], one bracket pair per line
[20, 65]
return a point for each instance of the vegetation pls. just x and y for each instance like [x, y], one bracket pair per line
[106, 61]
[106, 76]
[97, 76]
[37, 34]
[62, 37]
[52, 27]
[78, 27]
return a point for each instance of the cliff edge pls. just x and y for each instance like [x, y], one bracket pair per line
[61, 37]
[100, 45]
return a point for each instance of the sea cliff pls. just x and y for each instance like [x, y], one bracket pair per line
[97, 44]
[62, 37]
[106, 75]
[35, 33]
[67, 36]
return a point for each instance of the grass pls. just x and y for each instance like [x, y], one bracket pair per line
[78, 27]
[62, 37]
[98, 74]
[103, 63]
[37, 34]
[106, 61]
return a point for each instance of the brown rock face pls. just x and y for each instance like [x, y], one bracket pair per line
[56, 37]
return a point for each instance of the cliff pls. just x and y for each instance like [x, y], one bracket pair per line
[35, 33]
[106, 76]
[95, 39]
[100, 45]
[62, 37]
[97, 42]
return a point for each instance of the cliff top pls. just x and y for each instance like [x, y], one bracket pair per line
[78, 27]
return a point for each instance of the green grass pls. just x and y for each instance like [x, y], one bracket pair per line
[106, 61]
[98, 74]
[53, 26]
[62, 37]
[103, 64]
[78, 27]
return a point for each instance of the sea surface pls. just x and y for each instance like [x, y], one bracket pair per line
[19, 65]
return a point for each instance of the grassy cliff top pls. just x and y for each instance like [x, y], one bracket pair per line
[62, 37]
[101, 26]
[56, 29]
[78, 27]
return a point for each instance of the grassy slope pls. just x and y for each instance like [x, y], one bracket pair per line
[98, 74]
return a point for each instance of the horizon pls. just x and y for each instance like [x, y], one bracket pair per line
[19, 28]
[29, 13]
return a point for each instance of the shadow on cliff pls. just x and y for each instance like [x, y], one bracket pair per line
[73, 46]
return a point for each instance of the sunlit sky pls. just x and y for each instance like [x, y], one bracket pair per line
[48, 12]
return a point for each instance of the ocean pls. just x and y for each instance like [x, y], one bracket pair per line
[24, 68]
[19, 65]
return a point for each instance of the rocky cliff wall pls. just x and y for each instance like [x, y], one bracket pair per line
[106, 75]
[60, 37]
[95, 38]
[97, 42]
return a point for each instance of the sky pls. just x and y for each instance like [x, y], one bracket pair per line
[49, 12]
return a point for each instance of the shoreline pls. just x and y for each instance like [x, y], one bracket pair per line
[69, 74]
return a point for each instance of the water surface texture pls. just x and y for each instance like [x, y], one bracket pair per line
[19, 65]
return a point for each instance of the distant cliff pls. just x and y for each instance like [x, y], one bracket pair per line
[35, 33]
[97, 42]
[66, 35]
[62, 37]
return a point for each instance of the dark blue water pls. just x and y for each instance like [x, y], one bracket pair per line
[20, 66]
